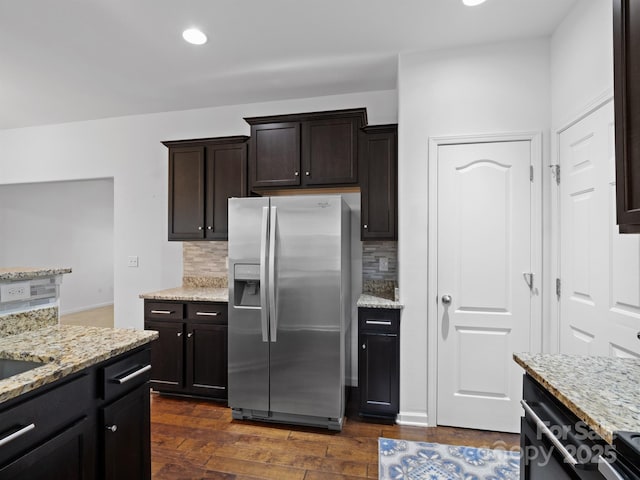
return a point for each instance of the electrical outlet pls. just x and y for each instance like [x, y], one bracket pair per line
[383, 264]
[11, 292]
[132, 261]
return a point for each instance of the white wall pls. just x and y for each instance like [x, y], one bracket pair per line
[581, 59]
[486, 89]
[62, 224]
[128, 149]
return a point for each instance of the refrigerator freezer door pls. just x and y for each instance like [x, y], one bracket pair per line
[307, 358]
[248, 353]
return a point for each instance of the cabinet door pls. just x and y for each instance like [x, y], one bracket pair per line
[167, 355]
[186, 193]
[626, 38]
[378, 377]
[125, 431]
[207, 359]
[379, 184]
[274, 155]
[226, 178]
[67, 456]
[330, 151]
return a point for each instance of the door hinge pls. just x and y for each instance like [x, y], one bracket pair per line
[555, 172]
[531, 173]
[558, 287]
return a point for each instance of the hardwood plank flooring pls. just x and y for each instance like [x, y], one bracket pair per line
[196, 439]
[95, 317]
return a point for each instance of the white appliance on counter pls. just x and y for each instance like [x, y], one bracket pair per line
[289, 308]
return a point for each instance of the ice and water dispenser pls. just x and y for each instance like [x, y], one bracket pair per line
[246, 285]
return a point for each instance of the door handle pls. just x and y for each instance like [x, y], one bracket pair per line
[446, 299]
[264, 306]
[273, 307]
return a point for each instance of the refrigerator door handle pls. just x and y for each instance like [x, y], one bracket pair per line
[273, 311]
[264, 305]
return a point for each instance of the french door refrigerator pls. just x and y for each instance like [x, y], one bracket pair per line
[289, 308]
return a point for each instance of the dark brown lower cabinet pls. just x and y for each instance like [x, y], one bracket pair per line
[93, 425]
[190, 357]
[66, 456]
[379, 362]
[126, 437]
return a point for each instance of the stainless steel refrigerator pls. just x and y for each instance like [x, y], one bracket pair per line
[289, 308]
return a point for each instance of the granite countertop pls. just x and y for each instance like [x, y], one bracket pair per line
[65, 349]
[27, 273]
[190, 294]
[603, 392]
[371, 301]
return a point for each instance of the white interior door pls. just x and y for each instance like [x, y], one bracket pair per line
[599, 268]
[484, 249]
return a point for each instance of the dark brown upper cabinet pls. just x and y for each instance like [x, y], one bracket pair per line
[305, 150]
[203, 175]
[379, 182]
[626, 55]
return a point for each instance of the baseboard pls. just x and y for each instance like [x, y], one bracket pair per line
[413, 419]
[84, 309]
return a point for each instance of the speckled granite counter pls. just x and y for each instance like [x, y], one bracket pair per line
[603, 392]
[371, 301]
[27, 273]
[65, 349]
[189, 294]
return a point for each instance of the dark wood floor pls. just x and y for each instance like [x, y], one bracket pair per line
[194, 439]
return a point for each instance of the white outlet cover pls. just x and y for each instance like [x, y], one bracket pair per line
[132, 261]
[11, 292]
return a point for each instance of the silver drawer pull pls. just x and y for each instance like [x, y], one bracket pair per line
[545, 430]
[207, 314]
[607, 470]
[112, 428]
[14, 435]
[379, 322]
[162, 312]
[132, 375]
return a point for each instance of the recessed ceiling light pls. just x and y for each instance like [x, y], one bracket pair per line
[194, 36]
[472, 3]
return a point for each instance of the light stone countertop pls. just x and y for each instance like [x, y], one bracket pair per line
[27, 273]
[371, 301]
[190, 294]
[603, 392]
[65, 349]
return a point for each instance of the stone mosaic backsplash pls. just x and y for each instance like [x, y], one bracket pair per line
[204, 264]
[371, 254]
[14, 323]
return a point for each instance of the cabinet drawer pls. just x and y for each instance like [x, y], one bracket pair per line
[26, 425]
[379, 320]
[166, 310]
[207, 312]
[125, 374]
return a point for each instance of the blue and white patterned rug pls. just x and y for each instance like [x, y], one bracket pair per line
[406, 460]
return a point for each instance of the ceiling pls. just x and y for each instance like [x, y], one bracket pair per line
[69, 60]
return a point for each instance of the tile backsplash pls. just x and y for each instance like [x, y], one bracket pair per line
[372, 252]
[204, 260]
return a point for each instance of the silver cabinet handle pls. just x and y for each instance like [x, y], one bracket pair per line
[547, 433]
[364, 346]
[607, 470]
[179, 334]
[207, 314]
[379, 322]
[132, 375]
[162, 312]
[190, 334]
[209, 227]
[296, 173]
[365, 226]
[199, 228]
[446, 299]
[307, 173]
[111, 428]
[19, 433]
